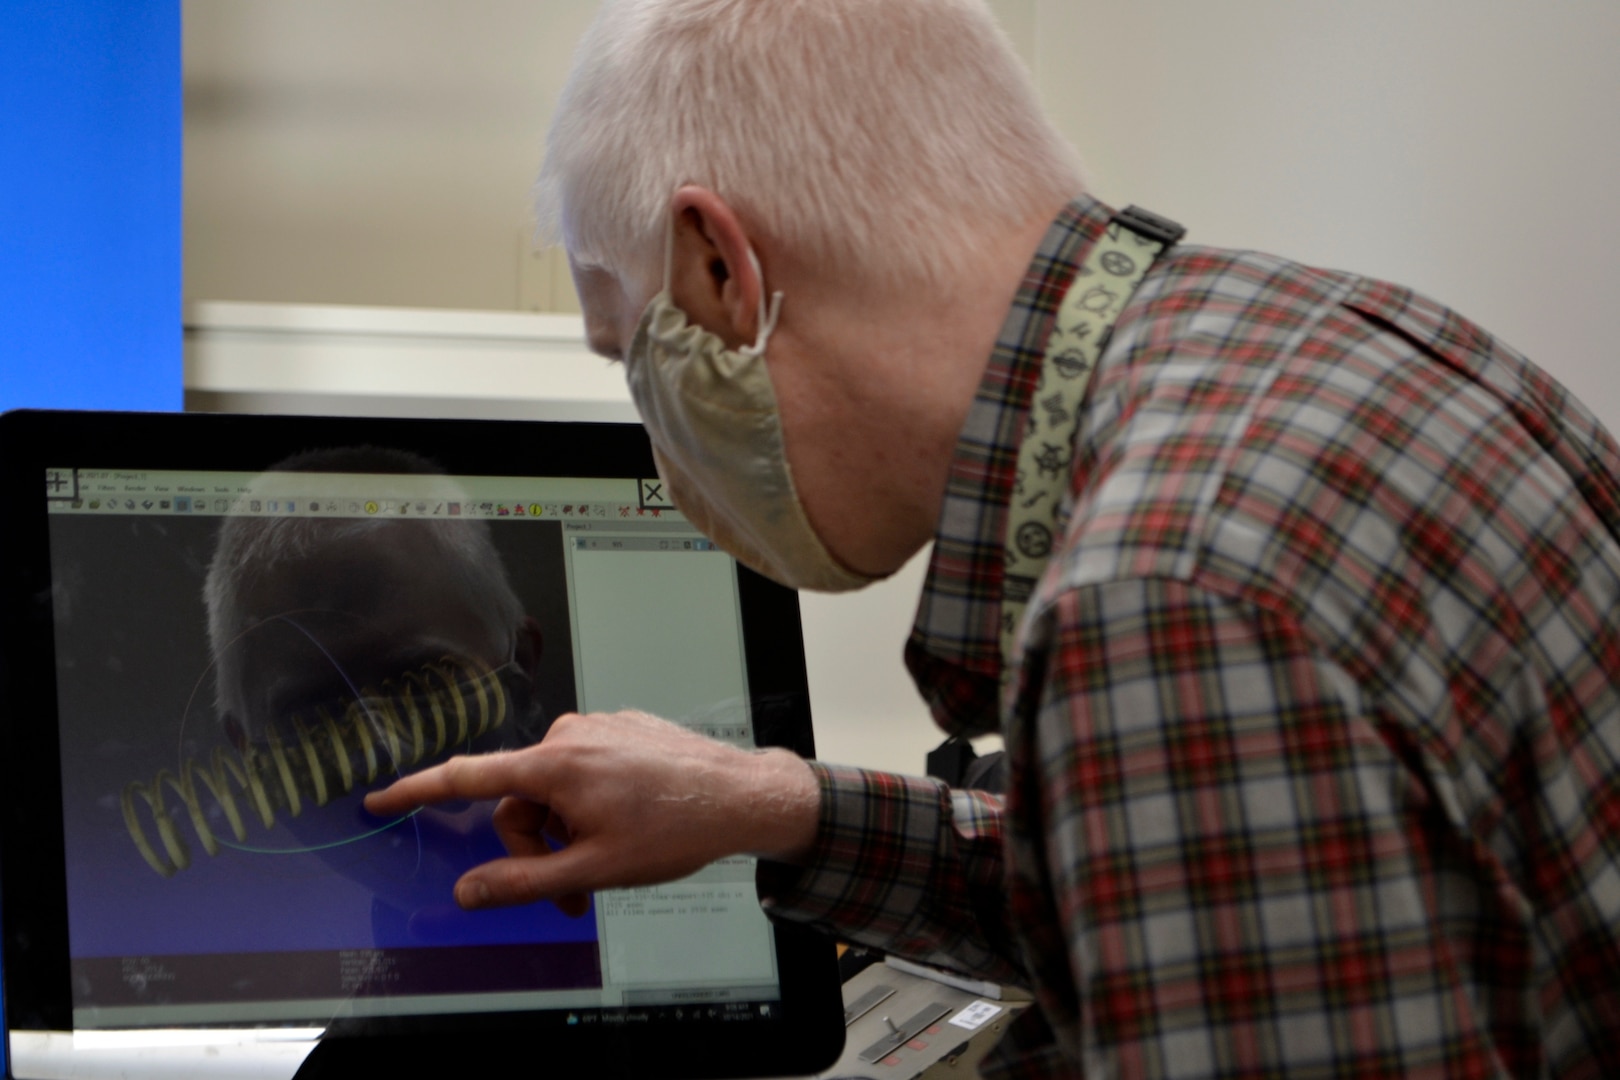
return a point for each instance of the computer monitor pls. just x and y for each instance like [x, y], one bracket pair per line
[222, 631]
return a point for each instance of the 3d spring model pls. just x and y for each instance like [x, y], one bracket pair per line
[384, 730]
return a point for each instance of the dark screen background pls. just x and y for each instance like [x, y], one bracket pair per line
[135, 696]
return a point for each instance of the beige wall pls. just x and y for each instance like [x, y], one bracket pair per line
[366, 151]
[1468, 148]
[379, 151]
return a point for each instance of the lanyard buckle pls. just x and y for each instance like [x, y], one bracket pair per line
[1161, 230]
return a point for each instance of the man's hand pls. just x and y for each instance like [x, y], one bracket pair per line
[629, 799]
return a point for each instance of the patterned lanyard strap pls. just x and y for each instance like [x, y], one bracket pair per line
[1085, 319]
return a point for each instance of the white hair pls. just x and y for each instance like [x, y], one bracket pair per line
[885, 141]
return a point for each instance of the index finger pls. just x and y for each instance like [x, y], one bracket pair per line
[482, 776]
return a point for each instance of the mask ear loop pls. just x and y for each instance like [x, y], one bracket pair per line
[669, 253]
[767, 316]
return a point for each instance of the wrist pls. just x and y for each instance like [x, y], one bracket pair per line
[783, 802]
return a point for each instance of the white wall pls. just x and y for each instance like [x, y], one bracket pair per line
[367, 151]
[1467, 148]
[380, 152]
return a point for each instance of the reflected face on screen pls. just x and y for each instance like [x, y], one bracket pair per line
[354, 616]
[347, 652]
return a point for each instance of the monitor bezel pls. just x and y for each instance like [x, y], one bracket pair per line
[806, 1030]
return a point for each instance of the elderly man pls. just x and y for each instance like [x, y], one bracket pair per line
[1291, 592]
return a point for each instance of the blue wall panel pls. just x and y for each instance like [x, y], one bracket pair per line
[89, 206]
[90, 162]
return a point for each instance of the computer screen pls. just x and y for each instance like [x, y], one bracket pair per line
[237, 656]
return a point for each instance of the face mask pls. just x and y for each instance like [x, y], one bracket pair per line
[717, 438]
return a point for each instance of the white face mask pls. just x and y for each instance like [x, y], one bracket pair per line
[712, 416]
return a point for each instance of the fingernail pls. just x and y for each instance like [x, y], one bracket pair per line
[472, 894]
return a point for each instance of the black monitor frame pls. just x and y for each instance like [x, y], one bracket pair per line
[805, 1033]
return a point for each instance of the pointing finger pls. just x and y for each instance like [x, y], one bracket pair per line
[485, 776]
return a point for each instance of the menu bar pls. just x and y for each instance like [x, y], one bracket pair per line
[107, 491]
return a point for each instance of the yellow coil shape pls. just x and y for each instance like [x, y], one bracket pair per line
[383, 730]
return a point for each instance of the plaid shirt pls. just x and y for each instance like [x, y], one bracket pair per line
[1314, 725]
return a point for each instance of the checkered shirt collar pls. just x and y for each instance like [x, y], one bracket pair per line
[958, 618]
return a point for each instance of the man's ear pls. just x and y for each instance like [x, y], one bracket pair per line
[712, 278]
[526, 652]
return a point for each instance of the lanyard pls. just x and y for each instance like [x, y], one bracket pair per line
[1099, 292]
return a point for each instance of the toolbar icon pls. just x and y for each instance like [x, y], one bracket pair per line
[61, 484]
[653, 495]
